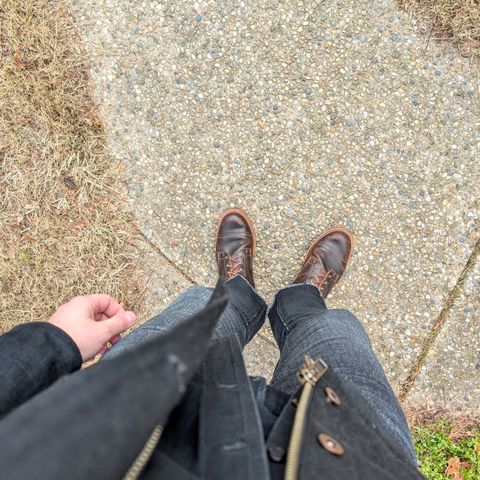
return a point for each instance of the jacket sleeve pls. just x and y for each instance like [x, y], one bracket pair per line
[102, 422]
[32, 357]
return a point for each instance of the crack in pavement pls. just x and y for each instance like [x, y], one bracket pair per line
[437, 327]
[165, 257]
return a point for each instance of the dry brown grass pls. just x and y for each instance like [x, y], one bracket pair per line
[63, 231]
[462, 425]
[455, 20]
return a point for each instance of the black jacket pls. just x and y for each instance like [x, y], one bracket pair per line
[177, 407]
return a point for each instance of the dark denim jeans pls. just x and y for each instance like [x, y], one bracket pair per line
[302, 325]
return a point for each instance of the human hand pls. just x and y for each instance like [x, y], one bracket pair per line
[92, 321]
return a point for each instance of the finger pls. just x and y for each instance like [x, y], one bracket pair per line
[119, 323]
[103, 350]
[101, 303]
[100, 316]
[115, 339]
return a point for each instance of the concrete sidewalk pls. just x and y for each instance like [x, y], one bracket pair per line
[307, 115]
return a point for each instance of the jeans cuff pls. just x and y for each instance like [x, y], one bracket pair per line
[245, 298]
[292, 291]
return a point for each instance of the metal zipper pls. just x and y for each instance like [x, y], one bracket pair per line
[309, 374]
[144, 456]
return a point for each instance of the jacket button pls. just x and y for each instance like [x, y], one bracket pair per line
[276, 454]
[330, 444]
[332, 396]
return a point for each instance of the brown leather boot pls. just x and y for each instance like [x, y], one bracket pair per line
[235, 245]
[326, 260]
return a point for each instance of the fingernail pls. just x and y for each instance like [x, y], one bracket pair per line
[130, 317]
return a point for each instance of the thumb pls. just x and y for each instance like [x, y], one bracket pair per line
[119, 322]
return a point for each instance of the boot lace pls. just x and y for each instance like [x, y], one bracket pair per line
[323, 280]
[234, 266]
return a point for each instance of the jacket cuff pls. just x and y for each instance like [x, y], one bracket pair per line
[69, 356]
[32, 357]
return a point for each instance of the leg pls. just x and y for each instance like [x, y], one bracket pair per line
[302, 325]
[245, 312]
[244, 315]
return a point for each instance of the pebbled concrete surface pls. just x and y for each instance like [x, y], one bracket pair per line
[450, 374]
[307, 115]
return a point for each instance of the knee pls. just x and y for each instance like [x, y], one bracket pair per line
[346, 319]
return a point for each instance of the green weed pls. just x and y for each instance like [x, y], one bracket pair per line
[435, 449]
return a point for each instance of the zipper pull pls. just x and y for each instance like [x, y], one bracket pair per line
[311, 371]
